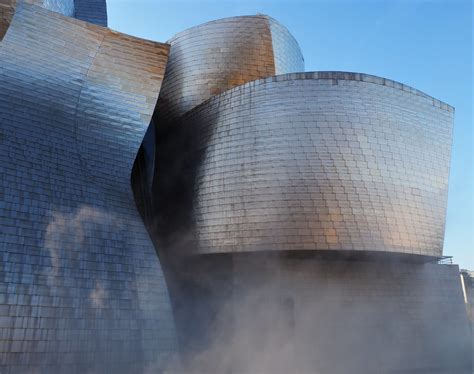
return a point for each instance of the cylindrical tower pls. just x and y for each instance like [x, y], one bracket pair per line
[204, 60]
[321, 161]
[208, 59]
[318, 202]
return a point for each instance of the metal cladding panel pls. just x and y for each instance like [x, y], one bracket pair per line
[81, 287]
[65, 7]
[286, 50]
[7, 10]
[321, 161]
[93, 11]
[211, 58]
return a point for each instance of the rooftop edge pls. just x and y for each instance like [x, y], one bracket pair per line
[336, 76]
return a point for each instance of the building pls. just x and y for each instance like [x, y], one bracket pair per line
[82, 290]
[203, 205]
[467, 279]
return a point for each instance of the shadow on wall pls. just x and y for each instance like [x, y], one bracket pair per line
[166, 205]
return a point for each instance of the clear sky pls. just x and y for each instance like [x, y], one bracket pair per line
[426, 44]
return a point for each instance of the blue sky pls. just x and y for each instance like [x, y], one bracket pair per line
[426, 44]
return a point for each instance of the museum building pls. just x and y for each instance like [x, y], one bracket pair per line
[205, 206]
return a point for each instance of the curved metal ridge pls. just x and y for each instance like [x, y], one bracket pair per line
[340, 75]
[210, 58]
[8, 7]
[93, 11]
[215, 21]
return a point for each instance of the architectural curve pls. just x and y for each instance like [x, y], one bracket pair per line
[321, 161]
[286, 50]
[83, 278]
[208, 59]
[205, 60]
[93, 11]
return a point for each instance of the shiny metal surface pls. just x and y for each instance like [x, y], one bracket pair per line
[322, 161]
[93, 11]
[65, 7]
[286, 50]
[213, 57]
[81, 288]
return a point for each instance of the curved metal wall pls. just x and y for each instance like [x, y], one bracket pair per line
[93, 11]
[322, 161]
[286, 50]
[204, 61]
[81, 288]
[213, 57]
[65, 7]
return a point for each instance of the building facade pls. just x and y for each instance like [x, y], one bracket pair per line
[204, 206]
[82, 290]
[347, 162]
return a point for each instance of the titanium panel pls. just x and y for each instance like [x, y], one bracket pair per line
[65, 7]
[93, 11]
[321, 161]
[81, 287]
[286, 50]
[204, 61]
[216, 56]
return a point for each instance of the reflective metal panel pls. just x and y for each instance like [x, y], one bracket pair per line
[208, 59]
[322, 161]
[93, 11]
[65, 7]
[286, 51]
[81, 288]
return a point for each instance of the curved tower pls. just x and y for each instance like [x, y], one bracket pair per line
[298, 217]
[322, 161]
[204, 60]
[285, 207]
[318, 206]
[81, 288]
[208, 59]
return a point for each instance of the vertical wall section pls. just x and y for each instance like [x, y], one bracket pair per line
[81, 288]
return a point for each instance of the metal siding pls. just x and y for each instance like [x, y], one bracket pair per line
[211, 58]
[93, 11]
[81, 287]
[323, 161]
